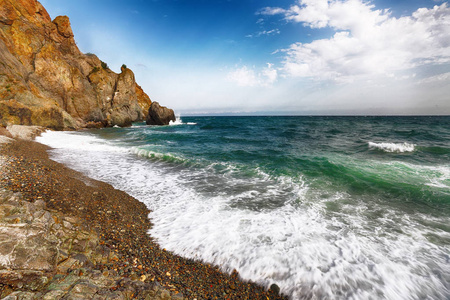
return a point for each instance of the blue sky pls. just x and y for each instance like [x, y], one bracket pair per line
[274, 56]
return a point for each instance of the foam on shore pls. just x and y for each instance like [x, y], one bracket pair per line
[292, 237]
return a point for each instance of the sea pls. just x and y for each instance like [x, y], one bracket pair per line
[324, 207]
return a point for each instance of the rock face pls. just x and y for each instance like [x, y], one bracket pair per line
[159, 115]
[47, 255]
[45, 80]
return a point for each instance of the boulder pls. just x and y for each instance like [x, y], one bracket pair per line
[25, 132]
[159, 115]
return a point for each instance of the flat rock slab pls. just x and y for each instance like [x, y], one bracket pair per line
[25, 132]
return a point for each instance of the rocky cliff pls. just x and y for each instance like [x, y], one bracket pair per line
[45, 80]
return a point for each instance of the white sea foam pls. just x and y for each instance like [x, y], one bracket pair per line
[178, 121]
[308, 250]
[78, 141]
[392, 147]
[438, 176]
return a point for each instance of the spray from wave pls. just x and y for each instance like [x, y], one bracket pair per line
[392, 147]
[178, 121]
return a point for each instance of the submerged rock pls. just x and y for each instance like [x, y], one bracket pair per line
[159, 115]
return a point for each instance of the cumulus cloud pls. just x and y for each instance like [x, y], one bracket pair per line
[367, 42]
[337, 13]
[248, 77]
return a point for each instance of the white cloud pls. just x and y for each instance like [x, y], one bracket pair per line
[367, 42]
[247, 77]
[243, 76]
[441, 78]
[264, 32]
[269, 74]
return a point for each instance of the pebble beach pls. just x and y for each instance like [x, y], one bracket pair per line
[135, 264]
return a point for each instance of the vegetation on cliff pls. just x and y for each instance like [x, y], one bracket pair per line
[45, 80]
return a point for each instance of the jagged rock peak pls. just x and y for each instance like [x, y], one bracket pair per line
[63, 26]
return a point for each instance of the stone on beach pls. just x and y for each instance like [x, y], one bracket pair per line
[25, 132]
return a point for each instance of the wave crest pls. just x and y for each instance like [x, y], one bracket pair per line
[178, 121]
[392, 147]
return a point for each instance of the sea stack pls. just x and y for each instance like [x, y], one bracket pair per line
[159, 115]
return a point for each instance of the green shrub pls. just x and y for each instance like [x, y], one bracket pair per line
[104, 65]
[124, 66]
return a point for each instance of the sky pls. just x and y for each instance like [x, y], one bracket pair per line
[269, 57]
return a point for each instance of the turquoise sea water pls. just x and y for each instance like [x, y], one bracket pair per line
[325, 207]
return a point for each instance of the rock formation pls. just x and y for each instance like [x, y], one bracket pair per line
[159, 115]
[45, 80]
[47, 255]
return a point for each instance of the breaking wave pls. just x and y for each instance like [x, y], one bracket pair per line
[392, 147]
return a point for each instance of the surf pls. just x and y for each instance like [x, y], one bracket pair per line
[392, 147]
[319, 213]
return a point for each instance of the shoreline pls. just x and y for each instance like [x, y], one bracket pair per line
[121, 223]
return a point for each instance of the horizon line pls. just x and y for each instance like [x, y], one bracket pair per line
[307, 115]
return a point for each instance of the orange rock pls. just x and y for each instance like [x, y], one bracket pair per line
[143, 99]
[63, 25]
[45, 80]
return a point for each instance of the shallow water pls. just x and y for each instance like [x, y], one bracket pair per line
[325, 207]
